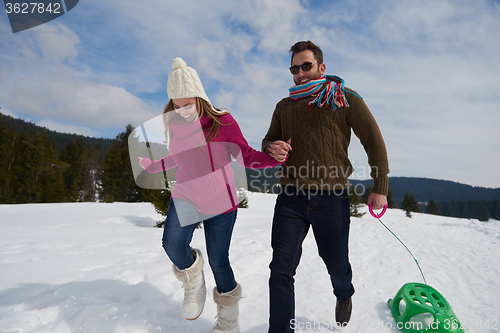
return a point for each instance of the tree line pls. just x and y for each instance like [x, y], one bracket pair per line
[36, 168]
[32, 170]
[60, 139]
[482, 210]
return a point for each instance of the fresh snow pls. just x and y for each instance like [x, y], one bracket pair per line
[97, 267]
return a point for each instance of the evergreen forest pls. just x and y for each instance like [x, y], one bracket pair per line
[38, 165]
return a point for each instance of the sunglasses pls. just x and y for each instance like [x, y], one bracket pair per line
[306, 67]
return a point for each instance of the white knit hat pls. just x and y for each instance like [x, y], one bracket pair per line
[183, 82]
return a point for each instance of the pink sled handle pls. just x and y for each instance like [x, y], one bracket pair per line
[377, 216]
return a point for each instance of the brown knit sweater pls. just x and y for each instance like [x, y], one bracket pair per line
[320, 140]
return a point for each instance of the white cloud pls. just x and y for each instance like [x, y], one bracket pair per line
[428, 70]
[41, 84]
[63, 96]
[58, 46]
[65, 128]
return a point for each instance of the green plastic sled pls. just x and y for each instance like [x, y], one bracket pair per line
[419, 308]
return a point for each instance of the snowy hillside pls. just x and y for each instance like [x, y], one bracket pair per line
[95, 267]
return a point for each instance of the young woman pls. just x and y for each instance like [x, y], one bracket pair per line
[202, 139]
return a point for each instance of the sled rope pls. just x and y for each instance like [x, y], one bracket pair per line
[415, 259]
[407, 249]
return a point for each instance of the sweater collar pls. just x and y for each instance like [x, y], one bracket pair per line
[182, 129]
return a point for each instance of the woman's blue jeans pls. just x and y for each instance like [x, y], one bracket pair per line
[328, 213]
[218, 231]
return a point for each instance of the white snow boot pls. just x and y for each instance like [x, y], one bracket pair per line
[195, 291]
[227, 310]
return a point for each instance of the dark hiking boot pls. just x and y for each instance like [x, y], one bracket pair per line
[343, 312]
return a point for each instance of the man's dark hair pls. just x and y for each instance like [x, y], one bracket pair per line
[302, 46]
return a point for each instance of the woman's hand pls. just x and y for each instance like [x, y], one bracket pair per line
[145, 162]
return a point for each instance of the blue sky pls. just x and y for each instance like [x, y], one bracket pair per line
[429, 70]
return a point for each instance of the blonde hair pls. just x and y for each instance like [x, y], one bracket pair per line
[203, 108]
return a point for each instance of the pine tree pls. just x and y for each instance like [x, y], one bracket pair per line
[49, 180]
[494, 208]
[409, 204]
[243, 199]
[454, 209]
[390, 199]
[155, 188]
[355, 202]
[160, 199]
[466, 209]
[33, 170]
[92, 175]
[74, 154]
[366, 194]
[118, 182]
[432, 208]
[6, 136]
[22, 170]
[483, 214]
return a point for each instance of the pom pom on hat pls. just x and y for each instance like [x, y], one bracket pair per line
[178, 63]
[183, 82]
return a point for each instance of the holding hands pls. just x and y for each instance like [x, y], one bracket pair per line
[279, 150]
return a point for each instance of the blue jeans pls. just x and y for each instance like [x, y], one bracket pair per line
[329, 215]
[218, 231]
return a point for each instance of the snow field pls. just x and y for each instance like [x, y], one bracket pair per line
[95, 267]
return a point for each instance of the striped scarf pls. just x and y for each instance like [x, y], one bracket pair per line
[332, 94]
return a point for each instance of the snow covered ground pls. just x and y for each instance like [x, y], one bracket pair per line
[96, 267]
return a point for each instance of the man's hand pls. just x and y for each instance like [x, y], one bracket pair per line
[379, 200]
[279, 150]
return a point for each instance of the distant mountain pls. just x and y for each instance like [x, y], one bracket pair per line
[60, 139]
[425, 189]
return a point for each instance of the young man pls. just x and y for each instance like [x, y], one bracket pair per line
[317, 117]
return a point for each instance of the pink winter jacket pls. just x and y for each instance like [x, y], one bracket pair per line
[205, 177]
